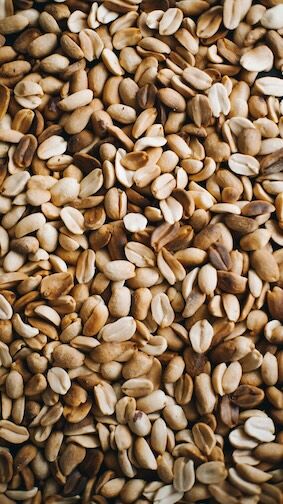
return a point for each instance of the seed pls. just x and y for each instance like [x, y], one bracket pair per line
[269, 86]
[140, 424]
[162, 311]
[67, 357]
[174, 417]
[134, 222]
[14, 385]
[211, 472]
[265, 265]
[252, 473]
[13, 24]
[197, 78]
[258, 59]
[244, 165]
[59, 380]
[73, 220]
[204, 437]
[260, 428]
[269, 452]
[29, 224]
[184, 474]
[119, 270]
[172, 99]
[170, 21]
[249, 488]
[201, 335]
[144, 455]
[64, 191]
[52, 146]
[6, 311]
[121, 330]
[13, 433]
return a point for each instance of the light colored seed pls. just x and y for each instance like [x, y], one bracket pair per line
[170, 21]
[91, 44]
[149, 141]
[64, 191]
[74, 101]
[48, 313]
[144, 454]
[15, 184]
[219, 100]
[259, 59]
[111, 61]
[29, 224]
[6, 311]
[135, 222]
[225, 208]
[58, 380]
[197, 78]
[167, 494]
[270, 86]
[53, 146]
[240, 439]
[12, 433]
[272, 18]
[140, 255]
[242, 484]
[211, 472]
[184, 474]
[252, 474]
[243, 164]
[140, 423]
[119, 270]
[73, 220]
[231, 377]
[201, 335]
[122, 113]
[174, 417]
[172, 99]
[24, 330]
[153, 19]
[162, 311]
[54, 63]
[121, 330]
[204, 437]
[261, 428]
[234, 12]
[77, 21]
[137, 387]
[204, 393]
[14, 385]
[171, 209]
[105, 398]
[67, 357]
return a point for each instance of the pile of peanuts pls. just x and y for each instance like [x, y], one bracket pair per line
[141, 268]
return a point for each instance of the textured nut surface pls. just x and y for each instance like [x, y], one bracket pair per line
[141, 264]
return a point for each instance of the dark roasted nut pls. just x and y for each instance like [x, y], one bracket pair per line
[229, 412]
[231, 282]
[25, 151]
[247, 396]
[219, 257]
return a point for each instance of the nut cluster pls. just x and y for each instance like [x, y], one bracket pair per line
[141, 268]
